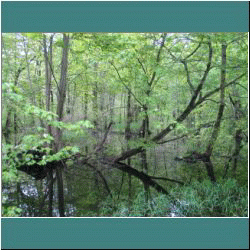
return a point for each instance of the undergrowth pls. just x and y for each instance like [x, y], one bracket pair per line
[199, 199]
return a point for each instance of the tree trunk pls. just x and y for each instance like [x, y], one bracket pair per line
[33, 97]
[238, 139]
[60, 192]
[6, 129]
[210, 169]
[51, 193]
[128, 137]
[95, 101]
[61, 94]
[60, 104]
[111, 106]
[85, 106]
[144, 132]
[15, 115]
[216, 128]
[48, 75]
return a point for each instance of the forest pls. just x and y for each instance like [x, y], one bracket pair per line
[124, 125]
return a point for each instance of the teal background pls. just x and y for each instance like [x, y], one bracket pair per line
[153, 16]
[62, 233]
[118, 233]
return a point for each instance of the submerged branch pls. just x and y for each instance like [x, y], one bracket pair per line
[102, 177]
[146, 179]
[166, 179]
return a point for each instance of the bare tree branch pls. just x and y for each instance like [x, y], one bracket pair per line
[242, 86]
[192, 53]
[144, 70]
[126, 85]
[218, 89]
[188, 76]
[173, 139]
[157, 60]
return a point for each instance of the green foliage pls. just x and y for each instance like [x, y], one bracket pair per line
[77, 127]
[40, 113]
[9, 156]
[181, 128]
[11, 211]
[158, 206]
[224, 199]
[11, 159]
[34, 36]
[64, 153]
[35, 141]
[12, 95]
[15, 99]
